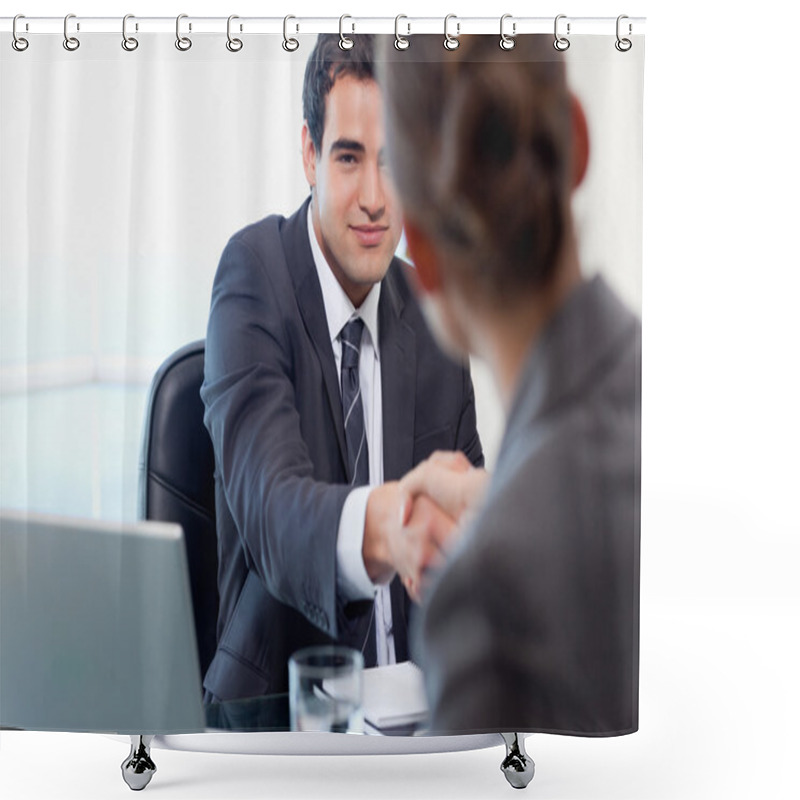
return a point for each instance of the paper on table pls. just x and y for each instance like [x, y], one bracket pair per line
[394, 695]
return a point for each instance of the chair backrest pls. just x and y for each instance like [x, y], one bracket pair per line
[176, 479]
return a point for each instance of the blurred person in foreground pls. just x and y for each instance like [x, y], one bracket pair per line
[532, 624]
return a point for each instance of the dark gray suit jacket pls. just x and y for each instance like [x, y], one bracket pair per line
[274, 413]
[534, 623]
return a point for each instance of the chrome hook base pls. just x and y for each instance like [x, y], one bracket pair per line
[517, 766]
[138, 768]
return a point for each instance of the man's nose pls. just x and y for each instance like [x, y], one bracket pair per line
[372, 197]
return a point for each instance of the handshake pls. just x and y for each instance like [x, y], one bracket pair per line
[412, 523]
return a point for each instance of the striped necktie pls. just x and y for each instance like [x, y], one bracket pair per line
[352, 407]
[356, 439]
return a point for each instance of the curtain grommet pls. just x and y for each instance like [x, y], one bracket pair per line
[71, 43]
[129, 43]
[290, 44]
[345, 42]
[19, 43]
[183, 43]
[401, 42]
[450, 41]
[561, 43]
[507, 42]
[623, 44]
[233, 44]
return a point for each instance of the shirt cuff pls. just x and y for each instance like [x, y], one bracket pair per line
[351, 574]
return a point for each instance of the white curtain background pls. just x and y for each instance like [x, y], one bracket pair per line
[123, 176]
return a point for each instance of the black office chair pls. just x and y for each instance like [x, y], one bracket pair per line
[176, 479]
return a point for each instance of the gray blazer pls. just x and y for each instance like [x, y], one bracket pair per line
[274, 413]
[533, 625]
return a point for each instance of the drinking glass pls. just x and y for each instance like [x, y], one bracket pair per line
[325, 688]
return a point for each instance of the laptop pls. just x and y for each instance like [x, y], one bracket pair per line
[96, 627]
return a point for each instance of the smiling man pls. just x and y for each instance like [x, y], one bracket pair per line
[353, 209]
[322, 388]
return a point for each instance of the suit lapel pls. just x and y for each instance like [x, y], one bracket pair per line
[397, 350]
[398, 378]
[399, 388]
[312, 308]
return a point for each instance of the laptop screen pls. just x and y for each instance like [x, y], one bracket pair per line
[96, 627]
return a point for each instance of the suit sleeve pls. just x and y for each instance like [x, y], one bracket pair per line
[532, 626]
[459, 654]
[287, 521]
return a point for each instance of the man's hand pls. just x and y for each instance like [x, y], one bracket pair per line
[421, 544]
[402, 536]
[450, 481]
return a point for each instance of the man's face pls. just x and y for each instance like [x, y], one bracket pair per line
[354, 209]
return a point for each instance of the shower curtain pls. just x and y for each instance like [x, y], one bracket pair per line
[124, 174]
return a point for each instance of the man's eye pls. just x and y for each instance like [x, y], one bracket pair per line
[347, 158]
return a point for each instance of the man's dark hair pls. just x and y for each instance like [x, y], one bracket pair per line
[326, 63]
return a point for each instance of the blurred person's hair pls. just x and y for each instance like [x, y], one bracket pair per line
[327, 63]
[480, 147]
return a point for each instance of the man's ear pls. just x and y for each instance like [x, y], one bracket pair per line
[580, 143]
[309, 157]
[424, 256]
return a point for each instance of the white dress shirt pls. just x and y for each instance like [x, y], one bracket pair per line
[352, 579]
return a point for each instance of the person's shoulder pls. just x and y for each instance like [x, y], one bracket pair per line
[257, 230]
[399, 285]
[398, 280]
[269, 245]
[266, 232]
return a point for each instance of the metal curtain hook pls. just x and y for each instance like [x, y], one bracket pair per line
[507, 42]
[70, 42]
[18, 42]
[290, 45]
[451, 42]
[344, 42]
[561, 43]
[234, 45]
[400, 42]
[183, 43]
[128, 42]
[623, 45]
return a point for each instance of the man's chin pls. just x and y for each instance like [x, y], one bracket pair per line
[360, 278]
[371, 272]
